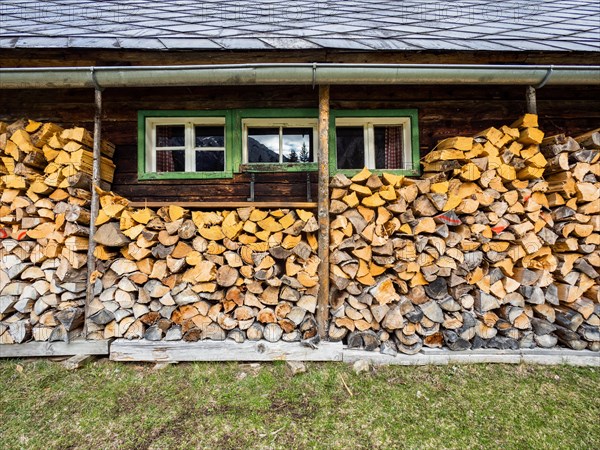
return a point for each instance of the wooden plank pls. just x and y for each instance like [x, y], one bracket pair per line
[165, 351]
[323, 212]
[278, 167]
[561, 356]
[488, 356]
[41, 349]
[225, 205]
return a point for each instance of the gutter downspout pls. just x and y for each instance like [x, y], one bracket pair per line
[296, 74]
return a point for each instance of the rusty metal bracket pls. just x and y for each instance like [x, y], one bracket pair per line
[252, 181]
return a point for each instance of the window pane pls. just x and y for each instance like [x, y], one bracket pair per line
[263, 145]
[298, 145]
[210, 136]
[170, 161]
[350, 147]
[388, 147]
[213, 161]
[170, 135]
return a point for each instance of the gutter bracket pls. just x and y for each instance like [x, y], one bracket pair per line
[314, 75]
[546, 78]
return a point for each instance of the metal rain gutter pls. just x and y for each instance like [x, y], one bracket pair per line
[295, 74]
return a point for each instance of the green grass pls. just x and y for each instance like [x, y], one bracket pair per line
[235, 406]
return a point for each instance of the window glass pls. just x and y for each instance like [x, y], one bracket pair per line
[170, 161]
[170, 135]
[350, 147]
[210, 161]
[298, 145]
[388, 147]
[209, 136]
[263, 145]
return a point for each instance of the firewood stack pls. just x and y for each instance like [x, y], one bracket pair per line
[466, 256]
[177, 274]
[44, 226]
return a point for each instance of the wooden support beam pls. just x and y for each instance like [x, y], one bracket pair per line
[225, 205]
[95, 203]
[41, 349]
[173, 351]
[531, 100]
[323, 212]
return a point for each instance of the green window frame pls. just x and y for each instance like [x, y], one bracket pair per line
[277, 115]
[144, 122]
[374, 114]
[234, 139]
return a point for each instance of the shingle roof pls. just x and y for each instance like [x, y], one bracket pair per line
[512, 25]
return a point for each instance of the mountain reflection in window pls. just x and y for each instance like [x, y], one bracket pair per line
[209, 136]
[263, 145]
[295, 146]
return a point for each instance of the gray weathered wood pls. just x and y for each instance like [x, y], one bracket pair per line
[37, 349]
[444, 356]
[531, 100]
[95, 203]
[124, 350]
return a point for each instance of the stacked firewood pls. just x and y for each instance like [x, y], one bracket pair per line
[45, 187]
[573, 176]
[464, 257]
[177, 274]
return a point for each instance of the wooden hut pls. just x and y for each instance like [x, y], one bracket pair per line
[224, 105]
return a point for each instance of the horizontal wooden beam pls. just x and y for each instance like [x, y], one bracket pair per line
[278, 167]
[126, 350]
[172, 351]
[40, 349]
[225, 205]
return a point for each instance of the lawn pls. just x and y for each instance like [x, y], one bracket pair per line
[235, 406]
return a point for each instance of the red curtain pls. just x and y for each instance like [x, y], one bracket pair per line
[393, 148]
[164, 161]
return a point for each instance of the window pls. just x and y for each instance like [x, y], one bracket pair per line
[187, 146]
[215, 144]
[379, 140]
[279, 141]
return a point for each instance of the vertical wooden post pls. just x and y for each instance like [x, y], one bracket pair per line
[91, 262]
[323, 212]
[531, 100]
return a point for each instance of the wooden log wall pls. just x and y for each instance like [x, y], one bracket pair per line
[443, 112]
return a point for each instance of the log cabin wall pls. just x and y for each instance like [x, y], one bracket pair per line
[443, 110]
